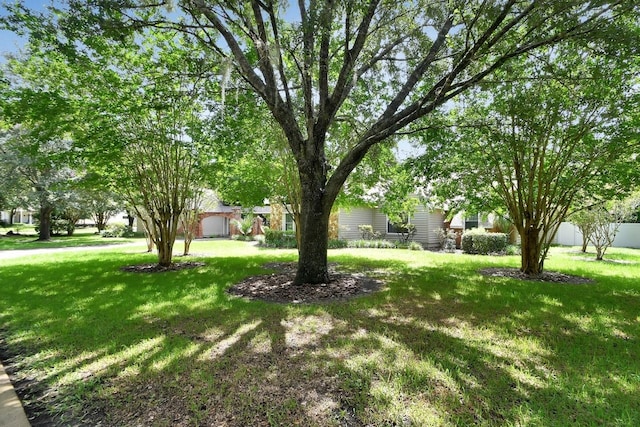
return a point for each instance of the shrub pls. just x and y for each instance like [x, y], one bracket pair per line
[512, 250]
[415, 246]
[242, 238]
[338, 243]
[118, 230]
[280, 239]
[245, 225]
[447, 239]
[373, 244]
[478, 241]
[367, 232]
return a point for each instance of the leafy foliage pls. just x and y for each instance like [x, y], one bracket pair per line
[280, 239]
[539, 163]
[319, 74]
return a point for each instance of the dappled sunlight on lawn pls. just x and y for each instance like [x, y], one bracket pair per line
[440, 344]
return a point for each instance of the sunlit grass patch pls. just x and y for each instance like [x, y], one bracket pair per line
[441, 344]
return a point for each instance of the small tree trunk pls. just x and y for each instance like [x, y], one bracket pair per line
[130, 219]
[150, 243]
[531, 246]
[100, 221]
[585, 243]
[12, 213]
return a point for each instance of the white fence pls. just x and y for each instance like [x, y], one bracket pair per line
[628, 236]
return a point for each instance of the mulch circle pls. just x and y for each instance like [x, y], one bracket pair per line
[547, 276]
[278, 287]
[156, 268]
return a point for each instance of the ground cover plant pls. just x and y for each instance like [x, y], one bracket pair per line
[440, 344]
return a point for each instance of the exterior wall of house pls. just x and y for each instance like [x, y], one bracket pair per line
[628, 235]
[21, 216]
[349, 220]
[458, 222]
[426, 222]
[276, 220]
[380, 222]
[216, 224]
[213, 225]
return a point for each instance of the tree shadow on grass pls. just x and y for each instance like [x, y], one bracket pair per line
[436, 346]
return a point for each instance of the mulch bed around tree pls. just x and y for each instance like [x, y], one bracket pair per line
[279, 287]
[547, 276]
[156, 268]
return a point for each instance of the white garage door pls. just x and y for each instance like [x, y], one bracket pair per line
[215, 226]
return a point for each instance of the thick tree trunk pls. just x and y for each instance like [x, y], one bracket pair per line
[532, 264]
[313, 226]
[165, 249]
[314, 237]
[45, 222]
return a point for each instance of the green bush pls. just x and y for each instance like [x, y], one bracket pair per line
[280, 239]
[384, 244]
[513, 250]
[478, 241]
[338, 243]
[415, 246]
[367, 232]
[242, 237]
[118, 230]
[373, 244]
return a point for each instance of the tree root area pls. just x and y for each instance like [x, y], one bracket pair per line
[279, 287]
[547, 276]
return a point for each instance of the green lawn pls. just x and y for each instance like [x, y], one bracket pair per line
[440, 345]
[81, 237]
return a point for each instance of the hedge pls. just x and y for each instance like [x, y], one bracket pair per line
[287, 240]
[480, 242]
[280, 239]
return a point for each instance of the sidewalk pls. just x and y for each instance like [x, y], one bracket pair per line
[11, 411]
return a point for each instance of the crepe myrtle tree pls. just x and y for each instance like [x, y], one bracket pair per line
[605, 220]
[539, 163]
[314, 63]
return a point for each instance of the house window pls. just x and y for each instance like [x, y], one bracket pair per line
[471, 222]
[398, 228]
[289, 224]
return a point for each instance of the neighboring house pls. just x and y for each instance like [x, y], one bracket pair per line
[460, 222]
[217, 221]
[426, 222]
[21, 216]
